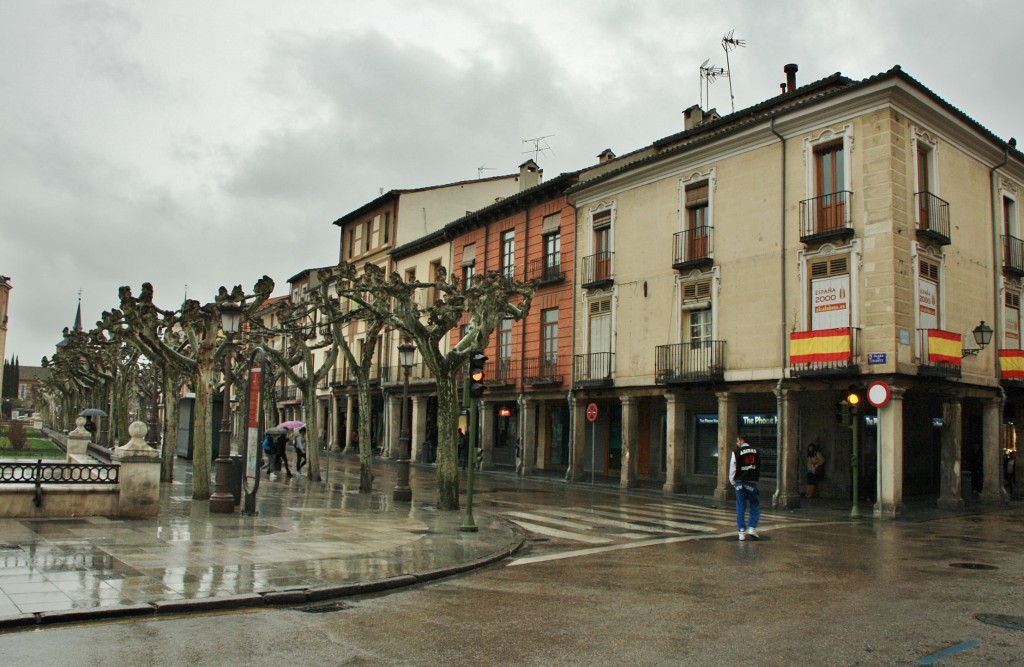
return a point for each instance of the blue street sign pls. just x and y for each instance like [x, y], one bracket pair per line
[876, 358]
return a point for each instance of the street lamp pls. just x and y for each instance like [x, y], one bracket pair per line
[982, 337]
[402, 492]
[222, 501]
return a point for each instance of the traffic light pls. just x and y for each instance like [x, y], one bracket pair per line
[854, 399]
[476, 374]
[843, 413]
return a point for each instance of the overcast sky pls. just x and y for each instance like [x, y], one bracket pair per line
[204, 143]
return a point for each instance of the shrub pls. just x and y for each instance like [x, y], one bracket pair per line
[17, 435]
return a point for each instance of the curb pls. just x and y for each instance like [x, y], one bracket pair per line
[272, 598]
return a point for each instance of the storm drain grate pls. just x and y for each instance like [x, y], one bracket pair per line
[1002, 620]
[325, 607]
[974, 566]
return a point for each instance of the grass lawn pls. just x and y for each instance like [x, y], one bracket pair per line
[38, 448]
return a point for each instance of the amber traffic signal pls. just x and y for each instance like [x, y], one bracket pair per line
[477, 374]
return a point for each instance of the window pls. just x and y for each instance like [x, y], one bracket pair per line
[508, 253]
[830, 183]
[434, 294]
[696, 315]
[549, 337]
[697, 223]
[552, 256]
[468, 265]
[1011, 319]
[367, 230]
[1010, 217]
[928, 294]
[599, 338]
[602, 243]
[829, 292]
[925, 187]
[387, 227]
[505, 340]
[351, 242]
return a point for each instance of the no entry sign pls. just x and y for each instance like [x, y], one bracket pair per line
[879, 394]
[592, 412]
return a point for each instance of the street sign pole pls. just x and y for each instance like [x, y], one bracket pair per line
[592, 417]
[468, 523]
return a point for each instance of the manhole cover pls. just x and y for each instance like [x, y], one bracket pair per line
[1003, 621]
[325, 607]
[974, 566]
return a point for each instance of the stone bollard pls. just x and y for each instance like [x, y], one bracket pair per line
[139, 476]
[78, 442]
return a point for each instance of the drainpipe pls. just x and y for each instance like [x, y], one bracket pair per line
[572, 356]
[520, 445]
[994, 193]
[780, 417]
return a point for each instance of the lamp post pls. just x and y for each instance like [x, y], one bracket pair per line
[402, 492]
[982, 337]
[221, 500]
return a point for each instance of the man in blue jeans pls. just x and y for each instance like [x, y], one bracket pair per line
[744, 469]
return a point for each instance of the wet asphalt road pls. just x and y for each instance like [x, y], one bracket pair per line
[626, 582]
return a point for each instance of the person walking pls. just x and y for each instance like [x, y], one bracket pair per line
[744, 470]
[281, 452]
[815, 468]
[299, 443]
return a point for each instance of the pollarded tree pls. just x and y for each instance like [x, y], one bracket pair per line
[491, 298]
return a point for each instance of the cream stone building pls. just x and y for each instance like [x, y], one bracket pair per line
[747, 273]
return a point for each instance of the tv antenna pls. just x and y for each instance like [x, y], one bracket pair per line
[481, 169]
[730, 43]
[708, 73]
[540, 144]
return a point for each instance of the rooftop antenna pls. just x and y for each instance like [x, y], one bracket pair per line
[707, 77]
[728, 44]
[481, 169]
[540, 144]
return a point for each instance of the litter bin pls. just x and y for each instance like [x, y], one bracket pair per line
[235, 479]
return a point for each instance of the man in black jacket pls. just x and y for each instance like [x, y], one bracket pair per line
[744, 469]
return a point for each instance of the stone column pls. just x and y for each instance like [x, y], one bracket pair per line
[675, 436]
[950, 463]
[419, 427]
[890, 457]
[991, 452]
[528, 462]
[630, 445]
[350, 424]
[394, 430]
[486, 435]
[78, 442]
[577, 467]
[139, 474]
[727, 416]
[787, 492]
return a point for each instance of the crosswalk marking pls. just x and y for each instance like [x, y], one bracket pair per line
[554, 532]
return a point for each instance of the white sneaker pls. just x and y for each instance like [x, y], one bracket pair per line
[752, 532]
[743, 536]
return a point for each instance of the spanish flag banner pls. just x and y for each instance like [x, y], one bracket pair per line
[823, 345]
[1011, 364]
[944, 347]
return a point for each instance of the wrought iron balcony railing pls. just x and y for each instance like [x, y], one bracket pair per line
[702, 361]
[544, 271]
[501, 372]
[941, 353]
[824, 352]
[597, 270]
[826, 217]
[692, 247]
[1013, 255]
[544, 371]
[593, 370]
[932, 217]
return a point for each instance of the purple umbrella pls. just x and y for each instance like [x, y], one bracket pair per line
[291, 424]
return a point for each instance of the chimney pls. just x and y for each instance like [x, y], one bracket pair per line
[692, 117]
[790, 71]
[605, 156]
[529, 175]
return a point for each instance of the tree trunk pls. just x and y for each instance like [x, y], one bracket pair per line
[447, 442]
[203, 426]
[312, 433]
[169, 446]
[365, 441]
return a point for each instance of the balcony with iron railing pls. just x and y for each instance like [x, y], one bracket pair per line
[685, 363]
[593, 370]
[941, 353]
[932, 218]
[501, 372]
[1013, 255]
[597, 271]
[824, 352]
[544, 371]
[289, 393]
[545, 271]
[394, 375]
[375, 373]
[826, 217]
[692, 248]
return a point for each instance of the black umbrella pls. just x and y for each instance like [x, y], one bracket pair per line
[92, 412]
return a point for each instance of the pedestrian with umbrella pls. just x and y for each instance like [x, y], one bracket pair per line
[281, 445]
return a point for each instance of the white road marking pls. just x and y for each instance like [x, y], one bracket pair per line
[554, 532]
